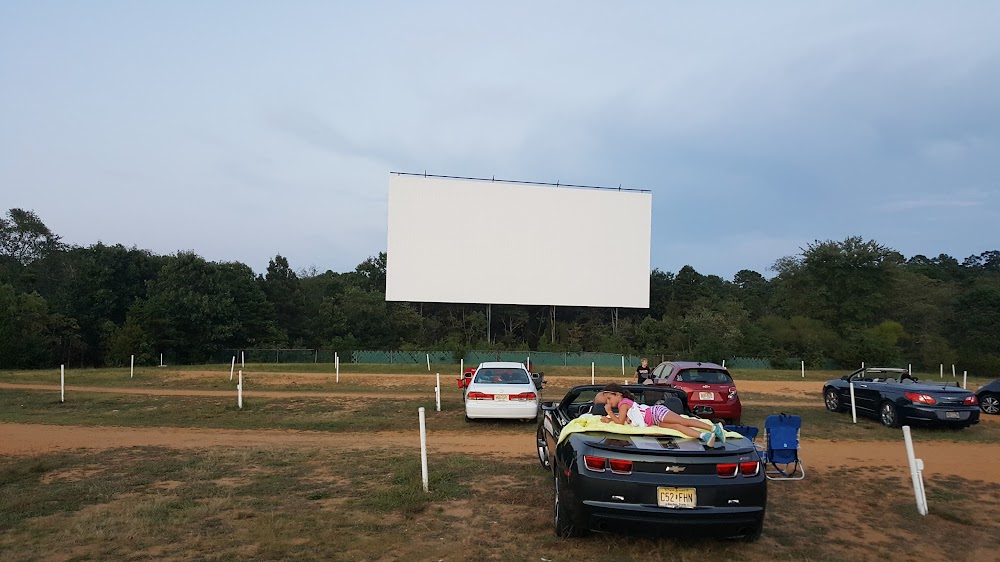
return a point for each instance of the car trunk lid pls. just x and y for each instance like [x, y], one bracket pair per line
[663, 445]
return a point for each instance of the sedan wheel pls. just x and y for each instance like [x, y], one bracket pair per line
[832, 400]
[889, 415]
[990, 404]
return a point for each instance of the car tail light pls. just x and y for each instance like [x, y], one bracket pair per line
[918, 398]
[479, 396]
[595, 463]
[727, 470]
[970, 400]
[749, 468]
[620, 467]
[732, 393]
[523, 396]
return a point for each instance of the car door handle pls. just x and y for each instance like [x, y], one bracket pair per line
[862, 386]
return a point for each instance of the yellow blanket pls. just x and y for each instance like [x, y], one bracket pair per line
[590, 422]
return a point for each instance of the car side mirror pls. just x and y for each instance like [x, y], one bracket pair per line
[845, 378]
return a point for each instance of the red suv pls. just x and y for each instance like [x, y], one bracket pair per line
[710, 388]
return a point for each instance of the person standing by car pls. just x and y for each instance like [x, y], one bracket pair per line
[642, 371]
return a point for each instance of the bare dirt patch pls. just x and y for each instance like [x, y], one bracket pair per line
[74, 474]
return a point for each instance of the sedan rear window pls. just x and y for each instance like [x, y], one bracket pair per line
[502, 376]
[707, 376]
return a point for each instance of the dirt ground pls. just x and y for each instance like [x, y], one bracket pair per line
[32, 439]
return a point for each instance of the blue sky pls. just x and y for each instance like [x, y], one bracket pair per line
[244, 129]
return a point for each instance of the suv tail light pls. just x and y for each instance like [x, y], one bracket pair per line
[749, 468]
[595, 463]
[918, 398]
[479, 396]
[727, 470]
[970, 400]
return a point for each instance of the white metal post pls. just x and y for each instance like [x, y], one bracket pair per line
[916, 472]
[965, 379]
[803, 369]
[239, 391]
[232, 368]
[461, 367]
[336, 365]
[862, 364]
[437, 392]
[591, 372]
[623, 365]
[723, 363]
[243, 360]
[62, 383]
[423, 449]
[528, 363]
[952, 370]
[909, 369]
[942, 370]
[428, 362]
[131, 367]
[854, 411]
[161, 359]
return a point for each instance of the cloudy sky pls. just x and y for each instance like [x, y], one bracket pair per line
[244, 129]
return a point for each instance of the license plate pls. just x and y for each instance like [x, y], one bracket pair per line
[501, 397]
[706, 396]
[686, 498]
[952, 415]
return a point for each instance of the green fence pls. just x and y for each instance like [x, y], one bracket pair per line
[538, 358]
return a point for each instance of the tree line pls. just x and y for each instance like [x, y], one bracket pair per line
[833, 304]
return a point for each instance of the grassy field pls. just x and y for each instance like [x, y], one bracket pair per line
[152, 374]
[367, 414]
[273, 504]
[361, 500]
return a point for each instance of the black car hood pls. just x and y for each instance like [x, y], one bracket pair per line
[658, 444]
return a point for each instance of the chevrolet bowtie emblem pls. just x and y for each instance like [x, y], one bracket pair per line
[675, 469]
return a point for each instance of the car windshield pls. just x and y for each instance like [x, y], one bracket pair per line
[502, 376]
[707, 376]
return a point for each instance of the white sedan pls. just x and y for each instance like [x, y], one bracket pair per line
[501, 390]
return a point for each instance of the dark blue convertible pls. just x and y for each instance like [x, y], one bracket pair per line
[896, 398]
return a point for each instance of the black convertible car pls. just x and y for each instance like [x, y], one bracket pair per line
[607, 480]
[896, 398]
[989, 397]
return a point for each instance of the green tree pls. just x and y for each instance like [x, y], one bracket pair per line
[25, 238]
[281, 287]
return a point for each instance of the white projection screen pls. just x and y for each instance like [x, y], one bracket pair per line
[486, 242]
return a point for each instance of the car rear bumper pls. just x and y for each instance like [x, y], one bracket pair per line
[725, 507]
[480, 409]
[720, 410]
[967, 415]
[718, 521]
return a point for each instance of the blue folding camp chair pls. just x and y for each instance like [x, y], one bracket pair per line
[782, 448]
[748, 431]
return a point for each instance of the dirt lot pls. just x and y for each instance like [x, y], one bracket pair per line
[191, 480]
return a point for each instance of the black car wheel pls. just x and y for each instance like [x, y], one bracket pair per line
[832, 400]
[990, 404]
[889, 415]
[566, 516]
[754, 533]
[543, 447]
